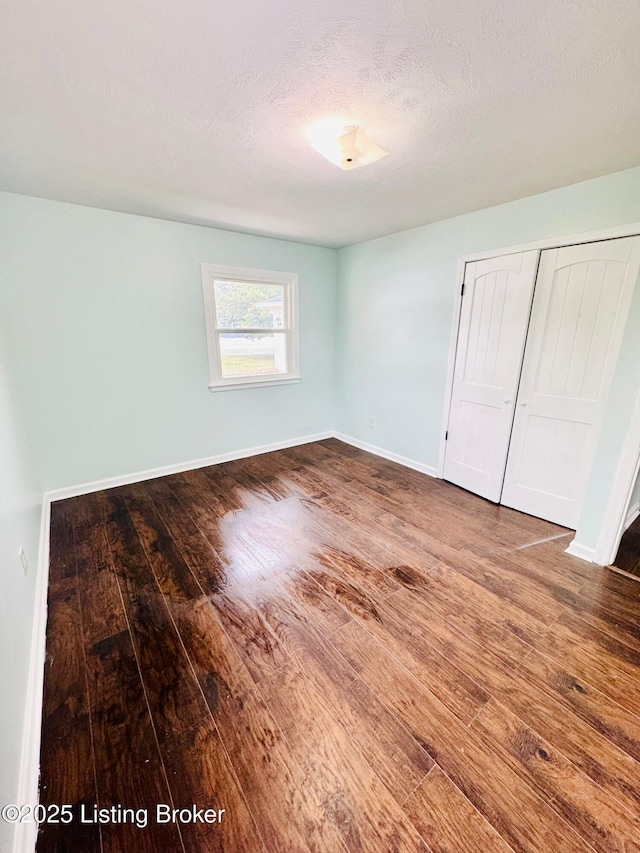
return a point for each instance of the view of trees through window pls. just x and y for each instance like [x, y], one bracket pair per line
[245, 306]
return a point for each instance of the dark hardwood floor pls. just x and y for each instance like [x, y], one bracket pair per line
[628, 556]
[344, 655]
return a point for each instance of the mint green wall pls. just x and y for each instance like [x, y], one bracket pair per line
[107, 335]
[20, 506]
[395, 310]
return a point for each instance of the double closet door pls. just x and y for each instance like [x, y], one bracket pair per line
[538, 341]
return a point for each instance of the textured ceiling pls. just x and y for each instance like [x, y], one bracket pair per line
[197, 110]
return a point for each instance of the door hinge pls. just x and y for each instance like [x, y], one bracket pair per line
[446, 435]
[462, 290]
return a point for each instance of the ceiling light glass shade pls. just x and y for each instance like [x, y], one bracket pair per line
[348, 149]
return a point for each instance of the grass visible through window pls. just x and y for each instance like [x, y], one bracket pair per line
[248, 365]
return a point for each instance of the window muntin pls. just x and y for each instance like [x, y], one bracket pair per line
[252, 331]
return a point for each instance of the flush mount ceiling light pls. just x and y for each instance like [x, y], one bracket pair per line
[346, 146]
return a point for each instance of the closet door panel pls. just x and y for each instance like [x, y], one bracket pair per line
[493, 327]
[579, 312]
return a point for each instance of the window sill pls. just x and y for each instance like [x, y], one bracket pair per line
[235, 386]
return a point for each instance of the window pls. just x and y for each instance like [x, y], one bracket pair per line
[252, 326]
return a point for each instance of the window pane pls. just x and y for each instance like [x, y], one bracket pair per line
[253, 355]
[245, 305]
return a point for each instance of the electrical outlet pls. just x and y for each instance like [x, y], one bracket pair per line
[23, 560]
[370, 423]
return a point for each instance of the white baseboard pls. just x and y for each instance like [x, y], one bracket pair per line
[179, 467]
[24, 839]
[387, 454]
[581, 551]
[632, 514]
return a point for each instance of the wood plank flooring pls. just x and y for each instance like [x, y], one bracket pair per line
[344, 655]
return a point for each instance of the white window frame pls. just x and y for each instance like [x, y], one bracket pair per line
[215, 272]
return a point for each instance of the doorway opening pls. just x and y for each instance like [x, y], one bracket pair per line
[628, 557]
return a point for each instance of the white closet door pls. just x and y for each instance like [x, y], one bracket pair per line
[493, 328]
[580, 308]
